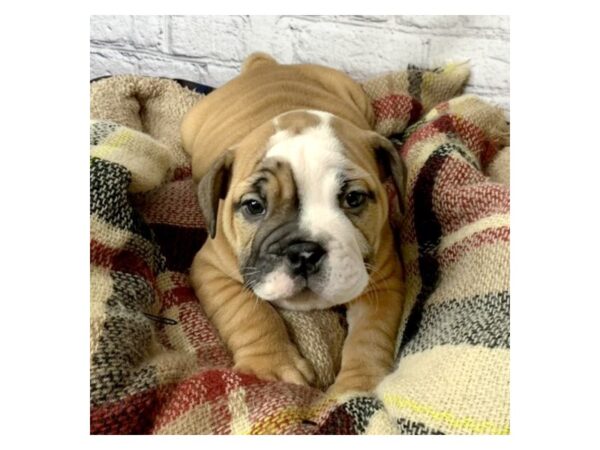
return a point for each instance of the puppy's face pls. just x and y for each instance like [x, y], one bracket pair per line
[304, 208]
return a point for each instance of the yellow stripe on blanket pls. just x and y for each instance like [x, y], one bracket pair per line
[455, 389]
[273, 423]
[465, 423]
[146, 158]
[122, 137]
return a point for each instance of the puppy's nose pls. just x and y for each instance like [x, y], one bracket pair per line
[304, 258]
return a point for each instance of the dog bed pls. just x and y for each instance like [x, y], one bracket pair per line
[158, 366]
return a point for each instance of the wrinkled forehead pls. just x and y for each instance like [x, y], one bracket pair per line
[313, 152]
[310, 143]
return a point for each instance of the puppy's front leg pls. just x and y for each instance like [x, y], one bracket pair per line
[368, 351]
[252, 329]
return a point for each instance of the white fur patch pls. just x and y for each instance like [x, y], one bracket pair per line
[275, 285]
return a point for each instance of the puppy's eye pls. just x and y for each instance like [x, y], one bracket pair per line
[354, 199]
[254, 207]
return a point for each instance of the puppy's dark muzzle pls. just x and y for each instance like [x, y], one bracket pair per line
[284, 244]
[304, 258]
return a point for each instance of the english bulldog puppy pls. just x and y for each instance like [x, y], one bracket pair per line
[290, 182]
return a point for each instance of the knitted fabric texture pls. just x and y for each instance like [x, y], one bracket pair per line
[159, 366]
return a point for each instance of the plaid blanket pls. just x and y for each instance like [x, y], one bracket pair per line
[159, 366]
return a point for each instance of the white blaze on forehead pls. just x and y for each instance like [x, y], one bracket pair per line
[316, 158]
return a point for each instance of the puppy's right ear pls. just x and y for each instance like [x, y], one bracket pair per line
[213, 187]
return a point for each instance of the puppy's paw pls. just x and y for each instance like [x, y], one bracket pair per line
[354, 383]
[284, 365]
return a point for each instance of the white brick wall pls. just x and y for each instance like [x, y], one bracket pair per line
[209, 49]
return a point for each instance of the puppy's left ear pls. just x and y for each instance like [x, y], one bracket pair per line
[213, 187]
[390, 164]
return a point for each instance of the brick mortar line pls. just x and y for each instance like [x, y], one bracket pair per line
[103, 45]
[166, 41]
[489, 33]
[208, 61]
[202, 60]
